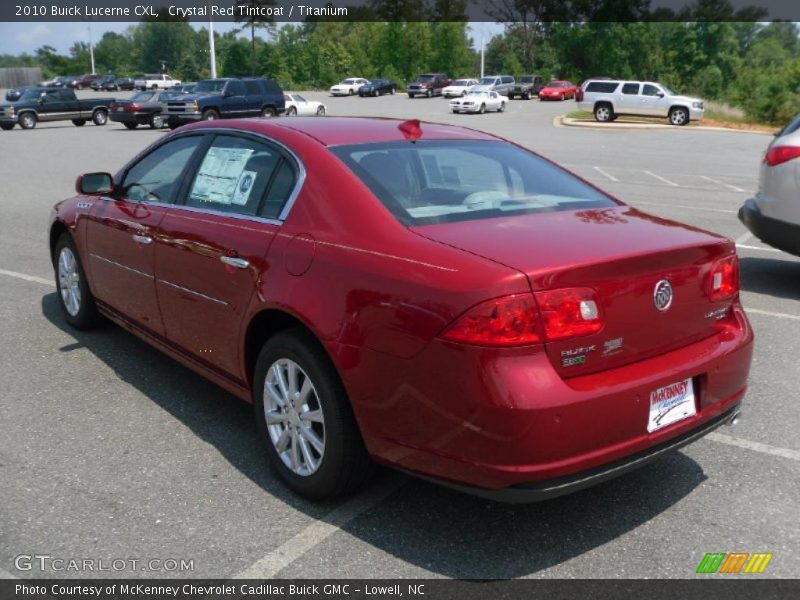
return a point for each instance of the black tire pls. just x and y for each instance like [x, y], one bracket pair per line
[27, 120]
[410, 96]
[173, 126]
[130, 125]
[603, 113]
[345, 464]
[678, 116]
[86, 317]
[6, 126]
[156, 121]
[79, 122]
[376, 93]
[394, 91]
[268, 112]
[482, 109]
[526, 96]
[209, 115]
[502, 107]
[321, 111]
[291, 111]
[429, 93]
[350, 92]
[100, 117]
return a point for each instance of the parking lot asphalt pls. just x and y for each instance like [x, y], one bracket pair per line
[108, 449]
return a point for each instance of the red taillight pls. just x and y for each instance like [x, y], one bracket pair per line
[781, 154]
[724, 279]
[113, 107]
[509, 321]
[134, 107]
[524, 319]
[570, 312]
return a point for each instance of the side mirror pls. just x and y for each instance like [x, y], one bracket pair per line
[660, 94]
[94, 183]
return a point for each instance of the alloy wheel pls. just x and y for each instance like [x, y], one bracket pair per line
[69, 281]
[295, 421]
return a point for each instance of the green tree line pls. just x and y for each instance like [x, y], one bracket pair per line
[708, 50]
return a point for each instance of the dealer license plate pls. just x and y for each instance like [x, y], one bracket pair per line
[670, 404]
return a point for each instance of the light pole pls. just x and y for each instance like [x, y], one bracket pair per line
[212, 52]
[483, 47]
[91, 47]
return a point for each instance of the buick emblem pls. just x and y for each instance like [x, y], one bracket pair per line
[662, 295]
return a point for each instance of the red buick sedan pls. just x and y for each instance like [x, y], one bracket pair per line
[558, 90]
[428, 297]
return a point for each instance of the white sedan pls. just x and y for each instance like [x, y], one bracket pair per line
[297, 105]
[478, 101]
[458, 88]
[348, 87]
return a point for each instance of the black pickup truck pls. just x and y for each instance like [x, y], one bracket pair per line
[53, 104]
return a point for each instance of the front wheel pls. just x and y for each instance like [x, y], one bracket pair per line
[429, 94]
[502, 107]
[482, 109]
[393, 91]
[304, 418]
[75, 299]
[6, 126]
[321, 111]
[27, 120]
[679, 116]
[156, 121]
[100, 117]
[268, 112]
[291, 111]
[209, 115]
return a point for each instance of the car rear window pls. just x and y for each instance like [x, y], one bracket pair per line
[790, 128]
[444, 181]
[603, 87]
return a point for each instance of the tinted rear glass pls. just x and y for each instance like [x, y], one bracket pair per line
[445, 181]
[790, 128]
[604, 87]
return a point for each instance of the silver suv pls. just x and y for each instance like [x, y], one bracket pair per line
[773, 216]
[608, 98]
[502, 84]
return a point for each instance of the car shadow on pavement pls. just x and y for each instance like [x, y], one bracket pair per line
[779, 277]
[430, 527]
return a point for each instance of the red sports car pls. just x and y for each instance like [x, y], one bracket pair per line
[425, 296]
[558, 90]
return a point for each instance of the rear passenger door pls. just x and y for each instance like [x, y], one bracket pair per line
[212, 248]
[629, 99]
[253, 98]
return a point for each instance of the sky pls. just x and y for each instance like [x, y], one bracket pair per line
[17, 38]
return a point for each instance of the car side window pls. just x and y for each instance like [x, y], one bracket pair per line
[252, 88]
[157, 176]
[650, 90]
[631, 89]
[235, 88]
[235, 175]
[51, 96]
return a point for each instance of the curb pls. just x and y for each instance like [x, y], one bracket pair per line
[563, 121]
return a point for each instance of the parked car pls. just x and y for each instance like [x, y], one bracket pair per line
[428, 85]
[526, 87]
[558, 90]
[479, 101]
[297, 105]
[489, 319]
[458, 88]
[15, 94]
[773, 216]
[184, 88]
[378, 87]
[68, 81]
[348, 87]
[158, 81]
[609, 98]
[85, 81]
[142, 108]
[120, 83]
[100, 83]
[502, 84]
[226, 98]
[53, 104]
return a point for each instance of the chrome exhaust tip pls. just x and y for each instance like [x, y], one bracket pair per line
[735, 418]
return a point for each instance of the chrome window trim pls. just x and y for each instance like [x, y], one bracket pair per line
[287, 207]
[193, 292]
[121, 266]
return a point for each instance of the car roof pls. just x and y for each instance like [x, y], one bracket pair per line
[339, 131]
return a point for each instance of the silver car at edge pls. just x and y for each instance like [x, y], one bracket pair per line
[773, 216]
[609, 98]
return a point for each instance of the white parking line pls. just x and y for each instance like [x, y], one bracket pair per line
[660, 178]
[687, 206]
[769, 313]
[608, 175]
[746, 247]
[722, 183]
[756, 446]
[25, 277]
[319, 531]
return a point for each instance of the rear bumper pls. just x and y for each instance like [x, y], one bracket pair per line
[503, 423]
[142, 118]
[778, 234]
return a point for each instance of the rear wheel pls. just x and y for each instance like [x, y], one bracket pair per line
[603, 113]
[130, 125]
[502, 107]
[100, 117]
[321, 111]
[679, 116]
[291, 111]
[410, 96]
[75, 299]
[429, 93]
[156, 121]
[79, 122]
[482, 109]
[526, 96]
[376, 93]
[209, 115]
[27, 120]
[304, 418]
[268, 112]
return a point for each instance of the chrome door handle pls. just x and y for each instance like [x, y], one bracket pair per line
[142, 239]
[234, 261]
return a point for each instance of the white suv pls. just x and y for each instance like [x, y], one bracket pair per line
[773, 216]
[608, 98]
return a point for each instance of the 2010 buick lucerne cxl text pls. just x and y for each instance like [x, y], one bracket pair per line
[422, 296]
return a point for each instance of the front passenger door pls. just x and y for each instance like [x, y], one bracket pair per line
[234, 100]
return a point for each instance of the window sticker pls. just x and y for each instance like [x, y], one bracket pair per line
[220, 176]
